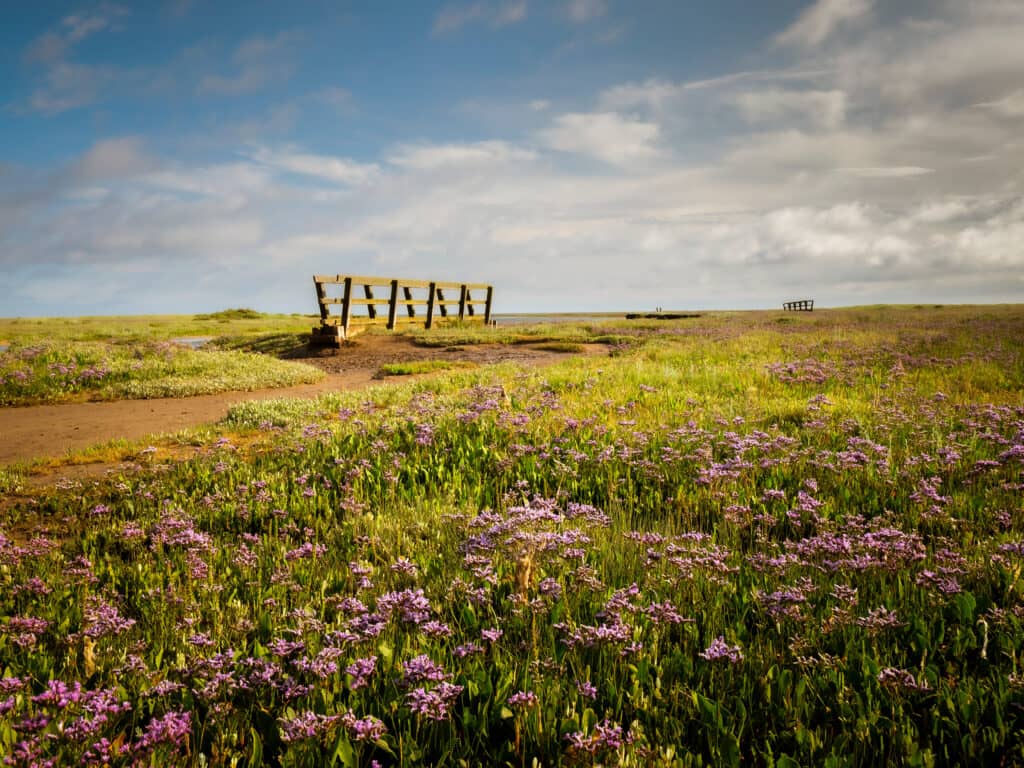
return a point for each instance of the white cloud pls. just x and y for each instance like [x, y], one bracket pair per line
[257, 61]
[113, 158]
[434, 156]
[452, 18]
[581, 11]
[939, 211]
[335, 96]
[80, 26]
[890, 172]
[825, 109]
[607, 136]
[510, 13]
[334, 169]
[67, 84]
[1011, 105]
[818, 22]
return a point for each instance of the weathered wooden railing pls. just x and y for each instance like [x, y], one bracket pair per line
[803, 305]
[401, 296]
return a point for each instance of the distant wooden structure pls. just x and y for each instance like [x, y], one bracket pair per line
[440, 301]
[661, 315]
[803, 305]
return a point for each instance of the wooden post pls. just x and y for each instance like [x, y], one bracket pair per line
[393, 305]
[430, 305]
[469, 302]
[346, 307]
[407, 292]
[371, 309]
[462, 303]
[440, 302]
[487, 306]
[321, 294]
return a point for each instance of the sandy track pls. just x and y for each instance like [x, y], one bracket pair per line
[52, 430]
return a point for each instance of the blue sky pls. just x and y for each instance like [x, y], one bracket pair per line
[190, 155]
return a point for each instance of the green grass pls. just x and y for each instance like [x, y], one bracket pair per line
[62, 371]
[415, 367]
[35, 330]
[566, 347]
[737, 542]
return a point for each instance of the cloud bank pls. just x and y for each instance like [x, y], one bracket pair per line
[877, 159]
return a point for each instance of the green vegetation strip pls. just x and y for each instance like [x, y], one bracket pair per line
[58, 371]
[739, 542]
[423, 366]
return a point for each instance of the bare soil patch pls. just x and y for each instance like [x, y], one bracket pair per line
[48, 431]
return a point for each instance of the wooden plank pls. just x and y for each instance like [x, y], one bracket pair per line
[430, 306]
[469, 303]
[321, 294]
[367, 302]
[365, 280]
[374, 302]
[409, 301]
[441, 303]
[346, 308]
[392, 304]
[370, 308]
[450, 285]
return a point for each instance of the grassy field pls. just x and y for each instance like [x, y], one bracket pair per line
[754, 538]
[111, 358]
[149, 328]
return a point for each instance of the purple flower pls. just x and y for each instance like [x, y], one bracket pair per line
[361, 671]
[586, 689]
[607, 736]
[102, 619]
[173, 730]
[11, 684]
[420, 669]
[365, 729]
[468, 649]
[412, 606]
[719, 650]
[550, 588]
[404, 565]
[879, 619]
[491, 635]
[522, 699]
[664, 613]
[901, 680]
[433, 704]
[435, 629]
[305, 725]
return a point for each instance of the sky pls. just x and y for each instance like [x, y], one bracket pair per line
[183, 156]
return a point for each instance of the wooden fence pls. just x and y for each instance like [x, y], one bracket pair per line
[395, 304]
[803, 305]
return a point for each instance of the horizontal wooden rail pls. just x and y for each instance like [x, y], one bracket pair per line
[459, 304]
[802, 305]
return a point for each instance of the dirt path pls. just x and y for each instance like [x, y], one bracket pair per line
[52, 430]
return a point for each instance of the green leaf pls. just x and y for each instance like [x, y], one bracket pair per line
[343, 751]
